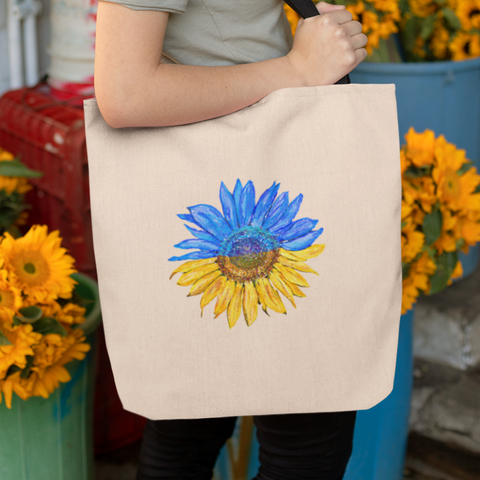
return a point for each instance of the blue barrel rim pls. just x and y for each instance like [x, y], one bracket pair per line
[418, 68]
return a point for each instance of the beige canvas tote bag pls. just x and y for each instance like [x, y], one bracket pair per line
[250, 264]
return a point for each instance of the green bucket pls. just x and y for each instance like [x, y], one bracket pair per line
[51, 439]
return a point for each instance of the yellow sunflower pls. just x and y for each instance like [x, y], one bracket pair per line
[422, 8]
[13, 383]
[249, 255]
[465, 45]
[439, 41]
[10, 297]
[22, 338]
[70, 313]
[412, 241]
[38, 264]
[420, 149]
[468, 12]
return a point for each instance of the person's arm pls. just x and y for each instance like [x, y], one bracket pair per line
[133, 89]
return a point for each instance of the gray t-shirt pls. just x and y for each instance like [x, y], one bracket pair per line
[221, 32]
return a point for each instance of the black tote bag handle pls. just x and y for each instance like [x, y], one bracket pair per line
[306, 9]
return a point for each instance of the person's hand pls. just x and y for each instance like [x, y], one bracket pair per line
[328, 46]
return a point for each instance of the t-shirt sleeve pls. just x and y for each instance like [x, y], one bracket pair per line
[172, 6]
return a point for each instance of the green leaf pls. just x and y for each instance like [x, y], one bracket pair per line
[410, 33]
[451, 18]
[4, 340]
[15, 168]
[432, 226]
[427, 26]
[29, 314]
[48, 325]
[440, 2]
[26, 371]
[445, 265]
[459, 243]
[465, 168]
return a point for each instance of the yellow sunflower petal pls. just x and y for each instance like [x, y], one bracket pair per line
[193, 275]
[224, 298]
[212, 291]
[203, 283]
[291, 275]
[250, 303]
[187, 266]
[300, 266]
[281, 286]
[302, 255]
[235, 305]
[269, 296]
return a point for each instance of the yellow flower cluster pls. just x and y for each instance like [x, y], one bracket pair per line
[436, 177]
[35, 274]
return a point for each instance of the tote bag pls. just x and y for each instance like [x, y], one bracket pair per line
[250, 264]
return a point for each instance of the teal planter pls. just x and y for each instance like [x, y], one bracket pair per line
[441, 96]
[380, 437]
[51, 439]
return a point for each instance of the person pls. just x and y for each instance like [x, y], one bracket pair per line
[229, 54]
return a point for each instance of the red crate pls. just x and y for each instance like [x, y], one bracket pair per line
[49, 135]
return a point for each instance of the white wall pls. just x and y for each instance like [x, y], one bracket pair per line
[43, 32]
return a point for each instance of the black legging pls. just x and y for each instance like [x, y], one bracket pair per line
[302, 446]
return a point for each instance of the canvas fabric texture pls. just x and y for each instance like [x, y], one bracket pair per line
[335, 150]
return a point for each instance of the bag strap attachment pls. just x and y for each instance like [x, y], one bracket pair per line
[306, 9]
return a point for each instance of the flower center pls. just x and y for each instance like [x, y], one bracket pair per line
[474, 12]
[248, 254]
[31, 268]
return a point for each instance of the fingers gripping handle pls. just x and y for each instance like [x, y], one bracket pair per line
[306, 8]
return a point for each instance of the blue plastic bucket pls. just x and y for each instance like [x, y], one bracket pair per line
[441, 96]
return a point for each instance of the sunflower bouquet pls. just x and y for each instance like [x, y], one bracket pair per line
[13, 186]
[424, 30]
[440, 213]
[40, 314]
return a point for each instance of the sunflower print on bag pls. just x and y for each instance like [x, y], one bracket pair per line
[248, 255]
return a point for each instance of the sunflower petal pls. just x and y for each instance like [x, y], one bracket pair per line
[297, 229]
[295, 290]
[268, 296]
[250, 302]
[203, 283]
[277, 210]
[212, 291]
[191, 256]
[195, 274]
[264, 203]
[224, 298]
[247, 204]
[235, 305]
[281, 286]
[289, 214]
[228, 206]
[302, 255]
[301, 243]
[204, 245]
[291, 275]
[202, 235]
[300, 266]
[186, 267]
[211, 220]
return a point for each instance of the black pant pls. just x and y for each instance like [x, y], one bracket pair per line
[292, 446]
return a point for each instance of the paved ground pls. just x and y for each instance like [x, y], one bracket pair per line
[426, 460]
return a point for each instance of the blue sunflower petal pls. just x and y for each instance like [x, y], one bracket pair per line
[198, 244]
[228, 206]
[202, 235]
[301, 243]
[277, 210]
[237, 193]
[263, 205]
[187, 217]
[298, 229]
[247, 204]
[211, 220]
[289, 215]
[192, 256]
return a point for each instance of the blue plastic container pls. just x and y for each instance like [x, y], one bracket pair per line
[380, 438]
[441, 96]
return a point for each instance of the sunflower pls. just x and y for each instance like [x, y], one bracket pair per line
[22, 338]
[465, 45]
[439, 41]
[10, 297]
[422, 8]
[248, 255]
[468, 12]
[40, 267]
[70, 313]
